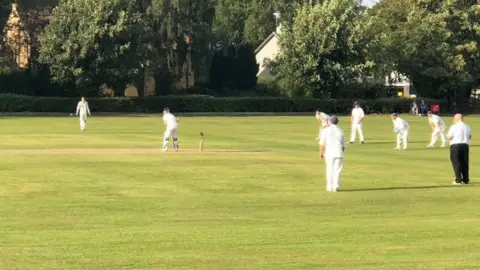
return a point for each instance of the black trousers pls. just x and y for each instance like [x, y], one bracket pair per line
[459, 158]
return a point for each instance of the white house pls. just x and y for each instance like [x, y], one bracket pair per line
[268, 50]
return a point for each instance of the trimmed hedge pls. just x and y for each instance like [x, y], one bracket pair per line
[15, 103]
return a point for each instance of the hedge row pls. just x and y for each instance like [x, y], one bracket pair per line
[15, 103]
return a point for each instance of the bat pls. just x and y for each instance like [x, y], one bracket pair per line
[200, 149]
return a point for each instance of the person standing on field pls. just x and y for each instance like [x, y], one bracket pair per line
[323, 121]
[357, 122]
[83, 110]
[171, 124]
[400, 127]
[438, 129]
[459, 136]
[332, 146]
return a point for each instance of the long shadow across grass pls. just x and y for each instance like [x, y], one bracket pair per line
[407, 188]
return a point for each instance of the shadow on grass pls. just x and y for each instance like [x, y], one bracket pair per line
[238, 151]
[439, 148]
[388, 142]
[407, 188]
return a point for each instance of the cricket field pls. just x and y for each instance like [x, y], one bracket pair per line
[107, 198]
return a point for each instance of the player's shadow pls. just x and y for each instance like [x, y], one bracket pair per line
[407, 188]
[240, 151]
[392, 142]
[439, 148]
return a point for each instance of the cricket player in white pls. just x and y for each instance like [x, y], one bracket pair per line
[438, 128]
[332, 146]
[323, 121]
[171, 123]
[400, 127]
[357, 121]
[83, 110]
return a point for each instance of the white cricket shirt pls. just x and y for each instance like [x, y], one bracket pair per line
[400, 124]
[170, 121]
[436, 121]
[460, 133]
[82, 107]
[324, 118]
[333, 140]
[357, 114]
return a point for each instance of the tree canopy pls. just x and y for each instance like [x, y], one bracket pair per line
[320, 50]
[91, 42]
[326, 47]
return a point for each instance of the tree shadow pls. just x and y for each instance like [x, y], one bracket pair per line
[407, 188]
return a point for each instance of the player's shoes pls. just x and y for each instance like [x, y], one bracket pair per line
[457, 184]
[443, 146]
[429, 146]
[164, 149]
[362, 142]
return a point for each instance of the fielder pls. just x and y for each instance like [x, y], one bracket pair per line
[83, 109]
[357, 121]
[438, 128]
[323, 121]
[400, 127]
[171, 124]
[332, 146]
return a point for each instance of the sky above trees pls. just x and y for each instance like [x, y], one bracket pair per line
[369, 2]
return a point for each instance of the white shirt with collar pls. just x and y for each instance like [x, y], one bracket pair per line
[324, 119]
[324, 116]
[82, 108]
[437, 121]
[400, 125]
[170, 121]
[333, 140]
[357, 115]
[459, 133]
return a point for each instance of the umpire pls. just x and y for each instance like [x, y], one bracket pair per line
[459, 136]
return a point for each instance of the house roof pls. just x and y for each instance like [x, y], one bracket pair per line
[259, 48]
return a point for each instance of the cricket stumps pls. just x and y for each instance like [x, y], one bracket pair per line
[200, 148]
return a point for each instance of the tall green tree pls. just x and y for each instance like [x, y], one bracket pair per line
[92, 42]
[180, 33]
[322, 50]
[259, 21]
[435, 43]
[5, 10]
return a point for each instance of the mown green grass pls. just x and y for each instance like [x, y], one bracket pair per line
[261, 210]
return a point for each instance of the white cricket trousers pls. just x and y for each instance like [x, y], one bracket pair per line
[357, 128]
[402, 136]
[333, 169]
[170, 132]
[83, 121]
[438, 131]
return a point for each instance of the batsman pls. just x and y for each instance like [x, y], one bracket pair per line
[171, 124]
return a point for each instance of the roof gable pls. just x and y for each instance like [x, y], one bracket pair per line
[272, 35]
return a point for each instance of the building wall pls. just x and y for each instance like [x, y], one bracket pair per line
[269, 51]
